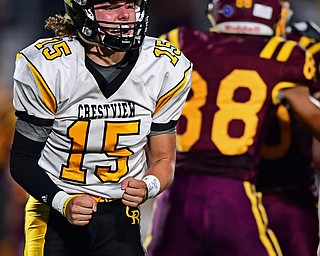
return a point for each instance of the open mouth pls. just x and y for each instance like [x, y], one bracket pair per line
[122, 30]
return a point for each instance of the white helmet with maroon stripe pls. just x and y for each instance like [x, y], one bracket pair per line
[258, 17]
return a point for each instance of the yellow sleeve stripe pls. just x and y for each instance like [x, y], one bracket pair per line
[270, 48]
[174, 37]
[278, 87]
[286, 51]
[310, 44]
[273, 44]
[47, 96]
[305, 41]
[173, 92]
[314, 49]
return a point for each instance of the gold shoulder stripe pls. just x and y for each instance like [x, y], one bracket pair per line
[173, 92]
[286, 51]
[305, 41]
[174, 37]
[270, 47]
[47, 96]
[314, 49]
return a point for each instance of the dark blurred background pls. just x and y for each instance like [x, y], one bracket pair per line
[21, 23]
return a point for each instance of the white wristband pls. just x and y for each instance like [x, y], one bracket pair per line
[59, 200]
[153, 185]
[314, 101]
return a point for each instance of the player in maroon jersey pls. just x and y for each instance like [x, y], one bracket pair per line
[212, 206]
[287, 175]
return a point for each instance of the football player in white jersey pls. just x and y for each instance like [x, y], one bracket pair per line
[97, 107]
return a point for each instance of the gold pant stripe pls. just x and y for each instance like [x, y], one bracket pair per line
[36, 219]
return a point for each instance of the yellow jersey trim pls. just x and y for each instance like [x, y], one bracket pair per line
[173, 92]
[47, 96]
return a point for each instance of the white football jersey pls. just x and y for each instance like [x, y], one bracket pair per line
[99, 129]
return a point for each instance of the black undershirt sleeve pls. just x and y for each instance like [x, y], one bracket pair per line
[25, 170]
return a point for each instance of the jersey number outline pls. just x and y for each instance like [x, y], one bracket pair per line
[167, 49]
[78, 133]
[56, 50]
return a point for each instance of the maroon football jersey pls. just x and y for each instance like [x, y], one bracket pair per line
[313, 47]
[286, 162]
[233, 98]
[287, 152]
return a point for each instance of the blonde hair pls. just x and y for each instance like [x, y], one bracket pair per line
[60, 25]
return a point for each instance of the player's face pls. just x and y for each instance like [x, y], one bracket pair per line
[116, 11]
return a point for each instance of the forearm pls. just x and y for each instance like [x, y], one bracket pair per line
[307, 111]
[27, 173]
[164, 171]
[161, 151]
